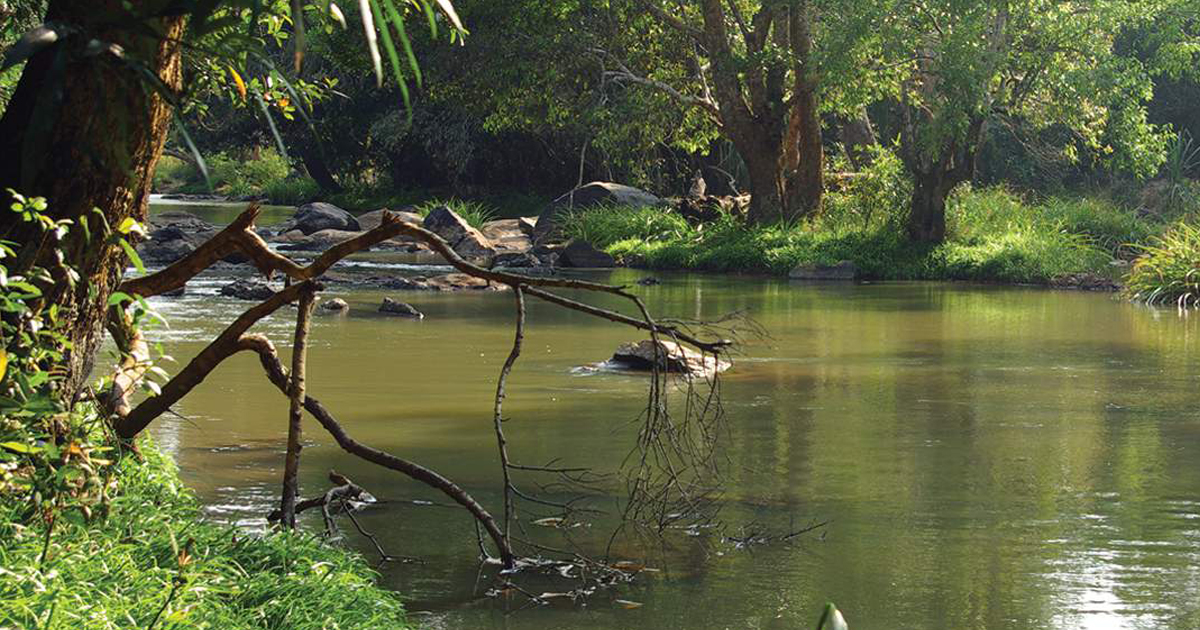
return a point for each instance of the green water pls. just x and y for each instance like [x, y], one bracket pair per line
[988, 457]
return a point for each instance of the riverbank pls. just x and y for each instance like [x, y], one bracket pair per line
[155, 562]
[994, 236]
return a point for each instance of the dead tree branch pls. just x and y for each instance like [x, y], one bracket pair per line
[291, 462]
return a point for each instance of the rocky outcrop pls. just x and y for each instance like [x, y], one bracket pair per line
[507, 235]
[670, 357]
[515, 260]
[317, 216]
[590, 196]
[446, 282]
[581, 254]
[403, 309]
[374, 219]
[173, 235]
[465, 240]
[843, 271]
[248, 289]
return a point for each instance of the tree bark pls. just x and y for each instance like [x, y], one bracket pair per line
[84, 129]
[927, 213]
[318, 169]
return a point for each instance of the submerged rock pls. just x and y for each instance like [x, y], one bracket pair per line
[649, 281]
[844, 271]
[669, 355]
[400, 308]
[248, 289]
[446, 282]
[1085, 282]
[374, 219]
[173, 235]
[334, 305]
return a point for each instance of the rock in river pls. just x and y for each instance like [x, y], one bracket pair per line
[590, 196]
[248, 289]
[400, 308]
[465, 240]
[844, 270]
[317, 216]
[581, 254]
[670, 356]
[334, 305]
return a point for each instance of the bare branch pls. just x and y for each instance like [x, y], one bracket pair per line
[291, 462]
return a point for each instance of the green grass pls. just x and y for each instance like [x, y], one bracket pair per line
[119, 572]
[994, 236]
[1168, 271]
[270, 176]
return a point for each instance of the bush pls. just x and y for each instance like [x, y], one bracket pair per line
[1168, 271]
[270, 176]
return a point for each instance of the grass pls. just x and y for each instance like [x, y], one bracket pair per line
[270, 176]
[994, 236]
[130, 570]
[1168, 271]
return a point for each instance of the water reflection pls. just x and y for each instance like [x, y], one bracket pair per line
[988, 457]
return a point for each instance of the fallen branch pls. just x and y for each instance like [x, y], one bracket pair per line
[291, 461]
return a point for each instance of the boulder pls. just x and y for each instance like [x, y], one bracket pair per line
[248, 289]
[590, 196]
[317, 241]
[334, 305]
[670, 357]
[506, 234]
[515, 260]
[843, 271]
[173, 235]
[317, 216]
[581, 254]
[400, 308]
[464, 239]
[527, 225]
[373, 219]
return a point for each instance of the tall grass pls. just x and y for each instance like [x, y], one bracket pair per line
[1168, 271]
[994, 236]
[153, 561]
[269, 176]
[475, 213]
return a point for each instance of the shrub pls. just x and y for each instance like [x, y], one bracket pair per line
[1168, 271]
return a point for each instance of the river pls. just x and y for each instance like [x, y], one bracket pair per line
[986, 457]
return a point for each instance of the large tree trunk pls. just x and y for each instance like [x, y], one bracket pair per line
[927, 213]
[85, 130]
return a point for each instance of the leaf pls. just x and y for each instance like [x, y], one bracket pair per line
[20, 447]
[628, 604]
[448, 9]
[133, 256]
[238, 82]
[32, 42]
[831, 619]
[336, 12]
[3, 363]
[393, 58]
[131, 225]
[368, 22]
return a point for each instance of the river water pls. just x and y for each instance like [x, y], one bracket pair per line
[986, 457]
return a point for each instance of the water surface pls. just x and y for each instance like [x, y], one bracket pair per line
[988, 457]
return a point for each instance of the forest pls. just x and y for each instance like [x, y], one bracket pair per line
[899, 292]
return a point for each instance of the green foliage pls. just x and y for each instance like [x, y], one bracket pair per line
[269, 176]
[152, 558]
[475, 213]
[875, 196]
[994, 237]
[1168, 271]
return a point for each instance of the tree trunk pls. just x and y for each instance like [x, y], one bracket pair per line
[85, 130]
[857, 136]
[318, 169]
[762, 165]
[927, 215]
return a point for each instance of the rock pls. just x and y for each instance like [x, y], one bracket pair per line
[844, 270]
[400, 308]
[463, 239]
[1085, 282]
[581, 254]
[446, 282]
[515, 260]
[670, 357]
[173, 235]
[649, 281]
[334, 305]
[373, 219]
[248, 289]
[590, 196]
[318, 241]
[506, 234]
[176, 292]
[317, 216]
[527, 225]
